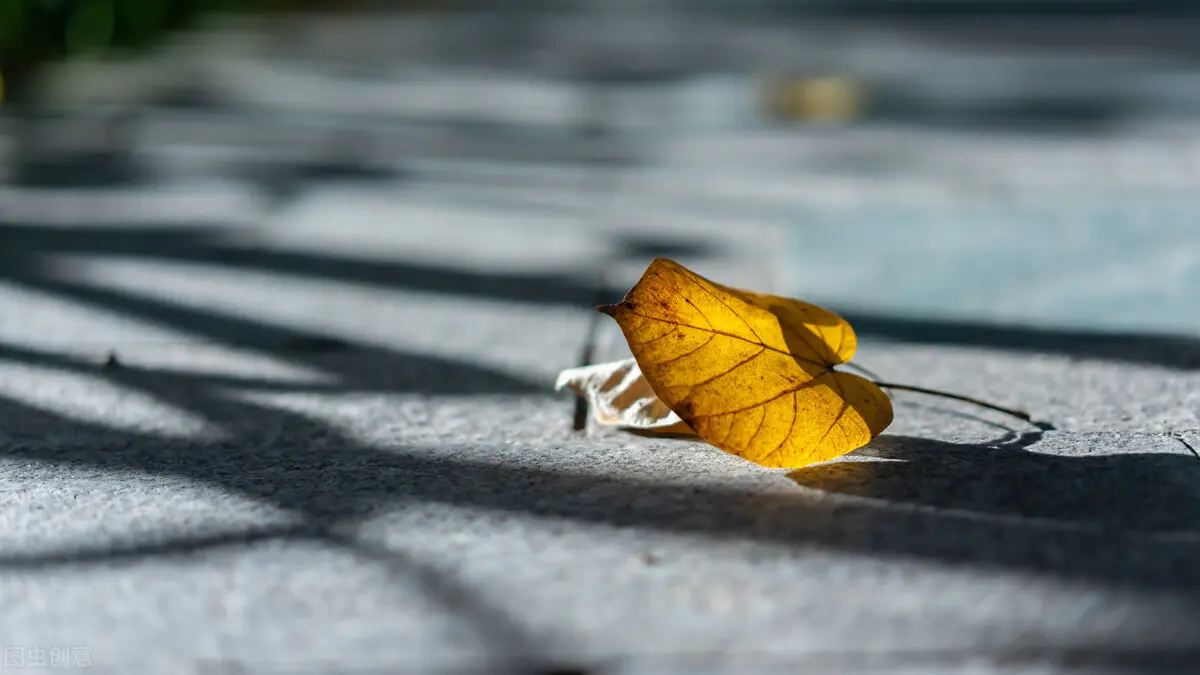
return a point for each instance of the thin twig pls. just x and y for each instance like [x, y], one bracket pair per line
[588, 351]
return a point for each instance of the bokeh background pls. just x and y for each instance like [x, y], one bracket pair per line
[1019, 162]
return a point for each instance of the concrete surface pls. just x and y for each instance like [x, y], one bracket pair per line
[266, 411]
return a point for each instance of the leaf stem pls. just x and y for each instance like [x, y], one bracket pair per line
[934, 392]
[863, 370]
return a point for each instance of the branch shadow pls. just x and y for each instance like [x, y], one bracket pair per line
[1180, 352]
[1148, 540]
[24, 244]
[358, 367]
[242, 464]
[985, 506]
[301, 478]
[1128, 493]
[1124, 520]
[324, 464]
[106, 162]
[649, 246]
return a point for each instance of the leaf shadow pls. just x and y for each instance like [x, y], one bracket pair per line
[1146, 492]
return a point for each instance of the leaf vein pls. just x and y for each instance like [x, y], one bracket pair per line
[763, 418]
[727, 371]
[837, 418]
[841, 339]
[687, 300]
[729, 429]
[733, 311]
[673, 359]
[646, 342]
[791, 427]
[821, 348]
[803, 385]
[822, 364]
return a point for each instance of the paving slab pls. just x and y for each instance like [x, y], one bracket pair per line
[284, 471]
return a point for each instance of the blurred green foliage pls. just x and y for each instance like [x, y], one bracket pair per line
[36, 32]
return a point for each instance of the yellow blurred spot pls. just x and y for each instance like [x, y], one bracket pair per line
[821, 99]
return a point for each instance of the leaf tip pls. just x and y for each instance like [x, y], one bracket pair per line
[662, 262]
[612, 310]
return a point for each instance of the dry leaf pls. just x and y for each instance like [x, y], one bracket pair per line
[619, 395]
[752, 374]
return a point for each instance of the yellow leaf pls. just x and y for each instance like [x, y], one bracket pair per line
[752, 374]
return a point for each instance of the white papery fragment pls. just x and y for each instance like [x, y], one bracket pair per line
[619, 396]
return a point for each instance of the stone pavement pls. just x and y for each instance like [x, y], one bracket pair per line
[269, 408]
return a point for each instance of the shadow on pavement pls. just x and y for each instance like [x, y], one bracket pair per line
[21, 245]
[1123, 521]
[1172, 351]
[330, 479]
[327, 517]
[1134, 493]
[333, 483]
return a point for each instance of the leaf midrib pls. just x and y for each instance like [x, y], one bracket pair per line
[822, 364]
